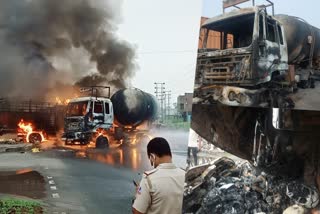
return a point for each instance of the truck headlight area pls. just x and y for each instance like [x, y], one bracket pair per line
[239, 97]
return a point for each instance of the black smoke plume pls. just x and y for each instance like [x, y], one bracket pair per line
[46, 43]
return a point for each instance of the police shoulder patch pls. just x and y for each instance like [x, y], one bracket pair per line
[139, 190]
[146, 173]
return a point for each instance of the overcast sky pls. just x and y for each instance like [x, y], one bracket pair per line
[305, 9]
[165, 33]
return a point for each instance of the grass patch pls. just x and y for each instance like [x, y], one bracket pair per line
[177, 123]
[18, 206]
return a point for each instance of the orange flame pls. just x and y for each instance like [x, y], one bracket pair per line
[100, 132]
[62, 102]
[134, 141]
[27, 128]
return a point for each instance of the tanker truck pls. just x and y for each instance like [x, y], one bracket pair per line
[101, 119]
[258, 59]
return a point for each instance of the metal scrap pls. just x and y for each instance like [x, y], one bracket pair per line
[227, 187]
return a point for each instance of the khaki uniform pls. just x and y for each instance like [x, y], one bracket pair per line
[161, 190]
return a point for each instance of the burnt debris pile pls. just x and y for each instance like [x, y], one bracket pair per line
[223, 186]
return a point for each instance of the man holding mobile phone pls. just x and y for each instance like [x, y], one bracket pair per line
[161, 189]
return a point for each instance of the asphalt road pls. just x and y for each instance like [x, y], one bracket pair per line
[84, 180]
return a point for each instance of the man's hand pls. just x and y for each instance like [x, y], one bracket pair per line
[137, 185]
[143, 198]
[134, 211]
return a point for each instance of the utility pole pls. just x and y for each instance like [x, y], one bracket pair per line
[164, 95]
[168, 99]
[156, 90]
[162, 88]
[159, 90]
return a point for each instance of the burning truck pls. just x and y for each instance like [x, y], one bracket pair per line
[260, 60]
[31, 120]
[128, 114]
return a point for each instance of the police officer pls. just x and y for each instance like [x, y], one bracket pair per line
[161, 189]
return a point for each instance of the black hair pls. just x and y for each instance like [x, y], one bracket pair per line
[159, 146]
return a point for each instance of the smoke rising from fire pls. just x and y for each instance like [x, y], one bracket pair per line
[45, 43]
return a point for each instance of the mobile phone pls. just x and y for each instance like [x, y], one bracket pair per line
[135, 183]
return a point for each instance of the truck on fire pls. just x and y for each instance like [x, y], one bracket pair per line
[259, 60]
[102, 119]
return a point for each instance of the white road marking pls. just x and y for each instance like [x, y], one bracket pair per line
[51, 182]
[55, 195]
[53, 187]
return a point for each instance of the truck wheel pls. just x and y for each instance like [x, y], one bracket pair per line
[312, 84]
[102, 142]
[34, 138]
[305, 84]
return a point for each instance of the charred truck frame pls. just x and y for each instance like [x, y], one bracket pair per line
[260, 57]
[44, 116]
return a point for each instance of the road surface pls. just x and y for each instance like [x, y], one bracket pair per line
[81, 180]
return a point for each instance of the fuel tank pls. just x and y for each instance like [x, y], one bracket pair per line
[132, 107]
[299, 35]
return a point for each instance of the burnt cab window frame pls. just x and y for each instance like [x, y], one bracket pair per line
[281, 41]
[271, 25]
[107, 107]
[98, 104]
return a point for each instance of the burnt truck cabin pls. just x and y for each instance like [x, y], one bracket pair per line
[234, 32]
[252, 47]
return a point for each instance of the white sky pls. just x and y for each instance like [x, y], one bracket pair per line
[165, 33]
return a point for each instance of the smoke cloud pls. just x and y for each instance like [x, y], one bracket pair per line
[46, 44]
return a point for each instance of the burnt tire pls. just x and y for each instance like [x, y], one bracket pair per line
[34, 138]
[102, 142]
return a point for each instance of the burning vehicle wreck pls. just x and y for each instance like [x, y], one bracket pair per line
[104, 119]
[27, 133]
[280, 167]
[257, 61]
[30, 121]
[126, 117]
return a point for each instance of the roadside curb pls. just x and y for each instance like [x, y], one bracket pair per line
[5, 148]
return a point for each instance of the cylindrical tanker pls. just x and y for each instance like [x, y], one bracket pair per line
[133, 106]
[298, 35]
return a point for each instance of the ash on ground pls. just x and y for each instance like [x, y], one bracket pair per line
[224, 186]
